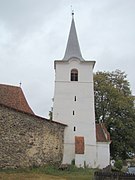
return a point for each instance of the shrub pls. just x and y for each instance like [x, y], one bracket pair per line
[118, 164]
[73, 162]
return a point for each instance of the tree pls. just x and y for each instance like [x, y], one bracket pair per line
[114, 105]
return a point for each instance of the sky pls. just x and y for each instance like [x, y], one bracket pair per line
[34, 33]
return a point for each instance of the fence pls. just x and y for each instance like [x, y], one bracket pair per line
[99, 175]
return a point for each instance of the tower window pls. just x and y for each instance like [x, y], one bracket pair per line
[75, 98]
[74, 128]
[73, 112]
[74, 75]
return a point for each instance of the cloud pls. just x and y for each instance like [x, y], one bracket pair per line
[33, 33]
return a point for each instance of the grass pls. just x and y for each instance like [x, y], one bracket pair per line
[47, 173]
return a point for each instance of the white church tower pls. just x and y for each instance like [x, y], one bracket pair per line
[74, 104]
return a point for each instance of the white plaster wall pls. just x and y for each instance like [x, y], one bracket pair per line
[83, 107]
[88, 158]
[69, 153]
[103, 154]
[91, 156]
[80, 160]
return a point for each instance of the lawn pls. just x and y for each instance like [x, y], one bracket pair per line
[34, 176]
[47, 173]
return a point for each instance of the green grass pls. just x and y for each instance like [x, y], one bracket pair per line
[47, 173]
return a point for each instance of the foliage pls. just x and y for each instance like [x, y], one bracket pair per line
[114, 105]
[118, 164]
[73, 162]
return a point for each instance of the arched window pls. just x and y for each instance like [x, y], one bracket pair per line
[74, 75]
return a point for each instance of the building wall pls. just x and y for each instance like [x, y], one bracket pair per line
[84, 115]
[103, 154]
[27, 140]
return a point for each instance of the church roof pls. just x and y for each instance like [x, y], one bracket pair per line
[102, 135]
[73, 48]
[12, 96]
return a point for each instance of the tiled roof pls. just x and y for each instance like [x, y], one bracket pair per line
[102, 135]
[12, 96]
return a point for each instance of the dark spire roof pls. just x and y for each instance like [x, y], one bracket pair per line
[12, 96]
[73, 48]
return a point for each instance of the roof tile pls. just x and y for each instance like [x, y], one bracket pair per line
[102, 135]
[13, 97]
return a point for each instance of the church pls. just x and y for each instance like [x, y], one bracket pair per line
[74, 106]
[72, 136]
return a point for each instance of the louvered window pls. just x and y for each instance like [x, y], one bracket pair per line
[74, 75]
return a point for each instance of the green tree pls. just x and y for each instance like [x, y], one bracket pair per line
[114, 105]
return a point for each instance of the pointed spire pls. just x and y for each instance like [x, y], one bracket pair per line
[73, 48]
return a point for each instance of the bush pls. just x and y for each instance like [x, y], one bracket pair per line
[73, 162]
[118, 164]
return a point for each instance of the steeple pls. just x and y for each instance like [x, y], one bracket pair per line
[73, 48]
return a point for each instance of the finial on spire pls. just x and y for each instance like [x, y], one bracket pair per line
[72, 12]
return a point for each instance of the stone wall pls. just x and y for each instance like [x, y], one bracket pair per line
[27, 140]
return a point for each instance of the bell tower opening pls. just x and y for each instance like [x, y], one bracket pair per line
[74, 75]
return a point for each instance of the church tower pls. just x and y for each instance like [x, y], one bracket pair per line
[74, 103]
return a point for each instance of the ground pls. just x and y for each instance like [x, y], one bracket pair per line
[47, 173]
[25, 176]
